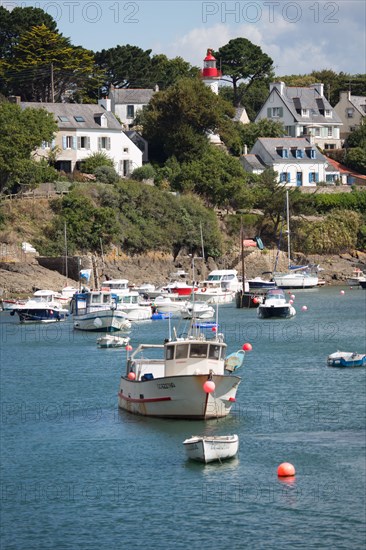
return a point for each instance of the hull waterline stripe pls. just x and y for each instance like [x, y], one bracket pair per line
[150, 400]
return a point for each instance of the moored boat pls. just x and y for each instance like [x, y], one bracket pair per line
[43, 307]
[96, 310]
[346, 359]
[211, 448]
[112, 341]
[275, 305]
[185, 377]
[357, 277]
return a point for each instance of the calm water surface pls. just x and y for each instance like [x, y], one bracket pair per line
[76, 473]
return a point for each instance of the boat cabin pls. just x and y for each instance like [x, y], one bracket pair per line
[185, 357]
[226, 278]
[92, 300]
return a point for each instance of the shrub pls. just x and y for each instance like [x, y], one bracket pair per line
[145, 172]
[95, 160]
[106, 174]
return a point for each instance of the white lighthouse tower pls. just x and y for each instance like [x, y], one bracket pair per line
[210, 74]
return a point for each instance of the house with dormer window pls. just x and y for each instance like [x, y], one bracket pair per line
[303, 112]
[351, 109]
[127, 102]
[84, 129]
[297, 161]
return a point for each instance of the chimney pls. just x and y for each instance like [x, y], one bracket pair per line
[156, 87]
[319, 87]
[105, 103]
[280, 86]
[245, 149]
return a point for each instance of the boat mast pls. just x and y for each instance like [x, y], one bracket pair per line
[242, 255]
[288, 229]
[66, 266]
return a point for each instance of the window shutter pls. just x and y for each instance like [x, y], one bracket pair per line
[79, 142]
[63, 142]
[317, 177]
[269, 112]
[99, 143]
[108, 142]
[74, 142]
[310, 177]
[88, 142]
[288, 177]
[280, 111]
[53, 143]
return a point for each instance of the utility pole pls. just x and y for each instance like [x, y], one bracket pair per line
[52, 86]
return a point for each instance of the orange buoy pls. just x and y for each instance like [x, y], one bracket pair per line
[128, 347]
[131, 376]
[247, 347]
[285, 469]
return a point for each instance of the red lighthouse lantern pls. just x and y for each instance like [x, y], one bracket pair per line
[209, 66]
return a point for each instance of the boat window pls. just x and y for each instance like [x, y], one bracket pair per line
[214, 351]
[95, 299]
[181, 351]
[198, 350]
[169, 352]
[105, 298]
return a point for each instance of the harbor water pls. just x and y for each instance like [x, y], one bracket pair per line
[77, 473]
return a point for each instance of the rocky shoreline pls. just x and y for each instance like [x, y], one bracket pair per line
[20, 279]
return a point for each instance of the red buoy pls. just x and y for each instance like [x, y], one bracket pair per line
[247, 347]
[285, 469]
[131, 376]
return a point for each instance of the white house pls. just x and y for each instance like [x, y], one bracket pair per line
[351, 109]
[84, 129]
[303, 112]
[127, 102]
[297, 161]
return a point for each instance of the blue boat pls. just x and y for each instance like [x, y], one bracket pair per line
[346, 359]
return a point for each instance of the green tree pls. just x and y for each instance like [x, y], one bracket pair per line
[166, 72]
[22, 131]
[263, 128]
[177, 120]
[358, 137]
[242, 61]
[48, 64]
[124, 66]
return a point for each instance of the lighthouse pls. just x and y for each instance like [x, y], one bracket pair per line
[210, 74]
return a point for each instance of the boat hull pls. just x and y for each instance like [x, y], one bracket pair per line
[179, 396]
[296, 281]
[279, 312]
[44, 315]
[101, 321]
[211, 449]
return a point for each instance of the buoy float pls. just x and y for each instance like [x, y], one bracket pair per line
[291, 302]
[128, 347]
[247, 347]
[342, 292]
[214, 329]
[209, 386]
[285, 469]
[292, 296]
[131, 376]
[304, 308]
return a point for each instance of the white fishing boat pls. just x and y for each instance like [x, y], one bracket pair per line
[211, 448]
[185, 377]
[169, 304]
[219, 287]
[346, 359]
[112, 341]
[96, 310]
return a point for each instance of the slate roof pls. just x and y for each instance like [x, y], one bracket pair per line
[271, 145]
[91, 113]
[359, 102]
[131, 96]
[254, 161]
[296, 98]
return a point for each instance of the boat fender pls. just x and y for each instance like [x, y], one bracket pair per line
[12, 312]
[204, 289]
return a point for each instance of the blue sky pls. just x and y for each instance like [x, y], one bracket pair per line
[300, 36]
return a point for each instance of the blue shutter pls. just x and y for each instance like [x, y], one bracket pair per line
[269, 112]
[63, 142]
[74, 143]
[288, 177]
[310, 177]
[317, 177]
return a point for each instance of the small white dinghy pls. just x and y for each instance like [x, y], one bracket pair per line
[211, 448]
[111, 341]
